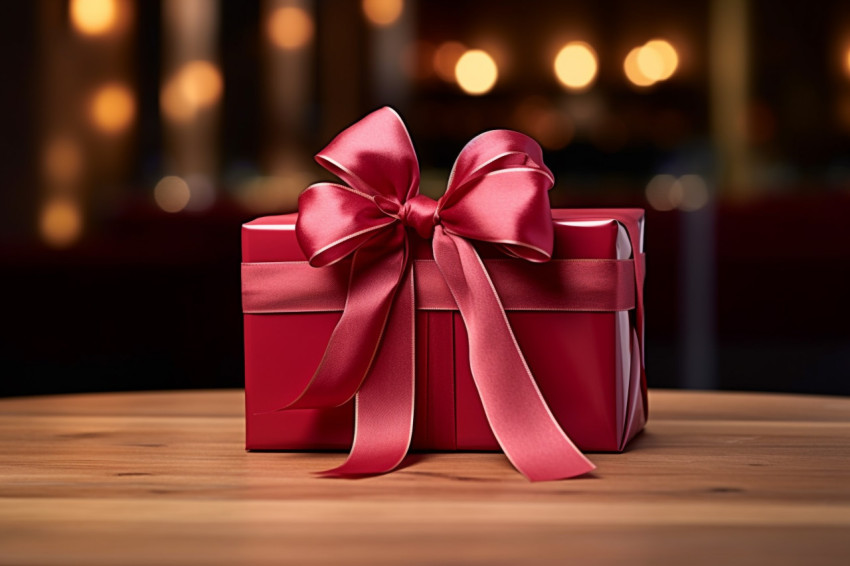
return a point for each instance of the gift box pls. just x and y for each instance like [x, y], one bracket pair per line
[570, 326]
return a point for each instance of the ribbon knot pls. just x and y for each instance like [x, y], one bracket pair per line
[497, 193]
[420, 213]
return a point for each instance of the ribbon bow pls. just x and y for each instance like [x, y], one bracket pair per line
[497, 193]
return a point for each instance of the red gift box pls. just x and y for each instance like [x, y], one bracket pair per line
[586, 362]
[478, 321]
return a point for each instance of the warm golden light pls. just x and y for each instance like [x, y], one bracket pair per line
[174, 104]
[633, 70]
[172, 194]
[201, 83]
[61, 222]
[62, 161]
[196, 85]
[476, 72]
[650, 63]
[445, 59]
[112, 108]
[383, 12]
[667, 56]
[93, 17]
[576, 65]
[290, 27]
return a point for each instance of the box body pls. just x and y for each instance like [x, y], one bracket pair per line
[587, 364]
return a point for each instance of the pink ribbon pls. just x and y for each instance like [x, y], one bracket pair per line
[497, 193]
[566, 285]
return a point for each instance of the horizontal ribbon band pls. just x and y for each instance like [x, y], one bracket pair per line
[587, 285]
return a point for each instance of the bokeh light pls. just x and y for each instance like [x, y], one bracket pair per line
[93, 17]
[445, 59]
[663, 192]
[694, 192]
[688, 193]
[476, 72]
[61, 222]
[201, 83]
[290, 27]
[174, 103]
[201, 192]
[650, 63]
[667, 56]
[633, 70]
[576, 65]
[196, 85]
[172, 194]
[112, 108]
[383, 12]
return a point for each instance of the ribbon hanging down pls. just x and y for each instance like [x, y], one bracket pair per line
[497, 193]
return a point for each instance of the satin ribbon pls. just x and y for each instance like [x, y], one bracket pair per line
[571, 285]
[497, 193]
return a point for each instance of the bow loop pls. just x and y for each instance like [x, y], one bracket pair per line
[497, 193]
[492, 151]
[375, 156]
[335, 221]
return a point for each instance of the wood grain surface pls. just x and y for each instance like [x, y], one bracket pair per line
[162, 478]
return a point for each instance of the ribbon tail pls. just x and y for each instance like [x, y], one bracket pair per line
[353, 345]
[520, 419]
[384, 404]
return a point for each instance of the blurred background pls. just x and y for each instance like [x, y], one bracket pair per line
[137, 136]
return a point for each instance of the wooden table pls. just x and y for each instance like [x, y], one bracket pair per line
[161, 478]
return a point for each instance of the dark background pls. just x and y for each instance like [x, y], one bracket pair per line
[748, 292]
